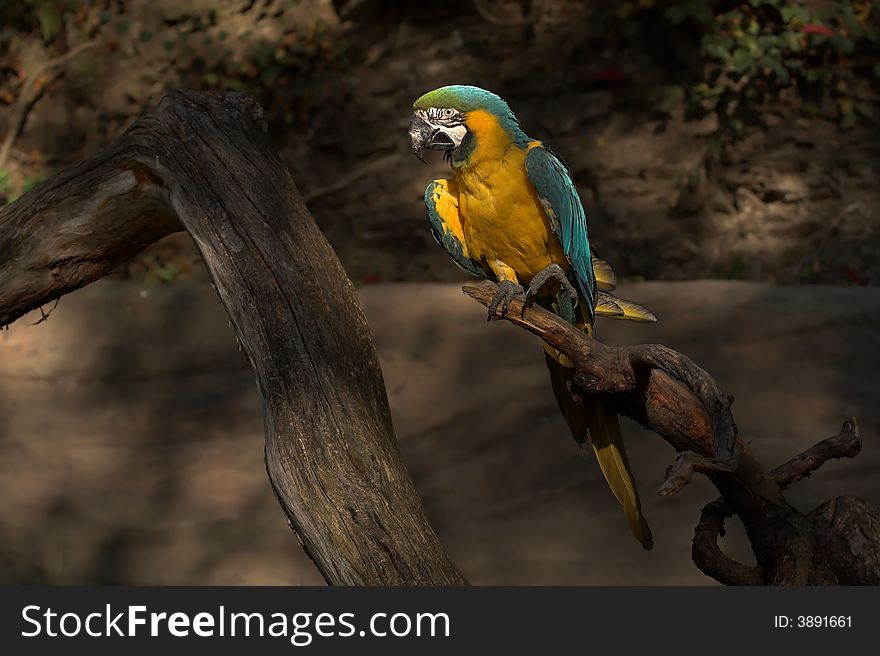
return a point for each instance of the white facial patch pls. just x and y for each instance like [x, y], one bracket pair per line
[456, 133]
[446, 120]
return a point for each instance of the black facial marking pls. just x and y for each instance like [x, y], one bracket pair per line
[445, 116]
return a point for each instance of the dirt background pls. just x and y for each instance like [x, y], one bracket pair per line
[131, 433]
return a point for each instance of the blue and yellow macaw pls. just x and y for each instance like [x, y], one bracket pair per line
[511, 213]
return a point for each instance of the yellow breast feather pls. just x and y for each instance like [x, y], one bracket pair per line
[502, 219]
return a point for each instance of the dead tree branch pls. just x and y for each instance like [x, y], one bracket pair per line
[667, 393]
[707, 555]
[846, 444]
[202, 162]
[706, 552]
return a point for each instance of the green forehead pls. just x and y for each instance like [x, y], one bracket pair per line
[463, 98]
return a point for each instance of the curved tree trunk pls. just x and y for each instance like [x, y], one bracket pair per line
[202, 162]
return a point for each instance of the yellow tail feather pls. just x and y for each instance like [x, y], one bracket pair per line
[608, 305]
[602, 425]
[607, 440]
[603, 428]
[606, 279]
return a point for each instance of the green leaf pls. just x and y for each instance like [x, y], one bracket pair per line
[778, 69]
[32, 181]
[50, 19]
[716, 50]
[750, 43]
[168, 272]
[741, 60]
[669, 97]
[864, 108]
[737, 126]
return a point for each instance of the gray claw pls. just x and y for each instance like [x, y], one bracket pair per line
[551, 271]
[507, 291]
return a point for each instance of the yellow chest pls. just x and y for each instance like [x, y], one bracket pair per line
[501, 216]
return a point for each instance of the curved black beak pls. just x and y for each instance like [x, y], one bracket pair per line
[422, 135]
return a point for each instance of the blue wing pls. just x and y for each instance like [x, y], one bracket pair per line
[558, 195]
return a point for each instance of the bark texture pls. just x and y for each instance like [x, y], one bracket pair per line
[838, 543]
[203, 163]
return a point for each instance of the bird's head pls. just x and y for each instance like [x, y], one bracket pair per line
[449, 118]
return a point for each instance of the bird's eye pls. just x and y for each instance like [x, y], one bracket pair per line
[449, 112]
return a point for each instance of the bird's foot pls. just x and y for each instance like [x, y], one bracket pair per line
[550, 272]
[507, 291]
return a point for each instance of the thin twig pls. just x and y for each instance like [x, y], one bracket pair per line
[27, 98]
[45, 314]
[846, 444]
[686, 464]
[355, 174]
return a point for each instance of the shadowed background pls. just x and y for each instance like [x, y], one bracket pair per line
[732, 140]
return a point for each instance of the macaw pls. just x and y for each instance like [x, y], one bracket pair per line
[511, 213]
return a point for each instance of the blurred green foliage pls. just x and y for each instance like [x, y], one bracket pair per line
[294, 75]
[753, 51]
[4, 185]
[10, 192]
[294, 64]
[293, 72]
[25, 16]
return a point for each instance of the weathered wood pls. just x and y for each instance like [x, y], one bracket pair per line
[707, 555]
[667, 393]
[852, 544]
[846, 444]
[202, 162]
